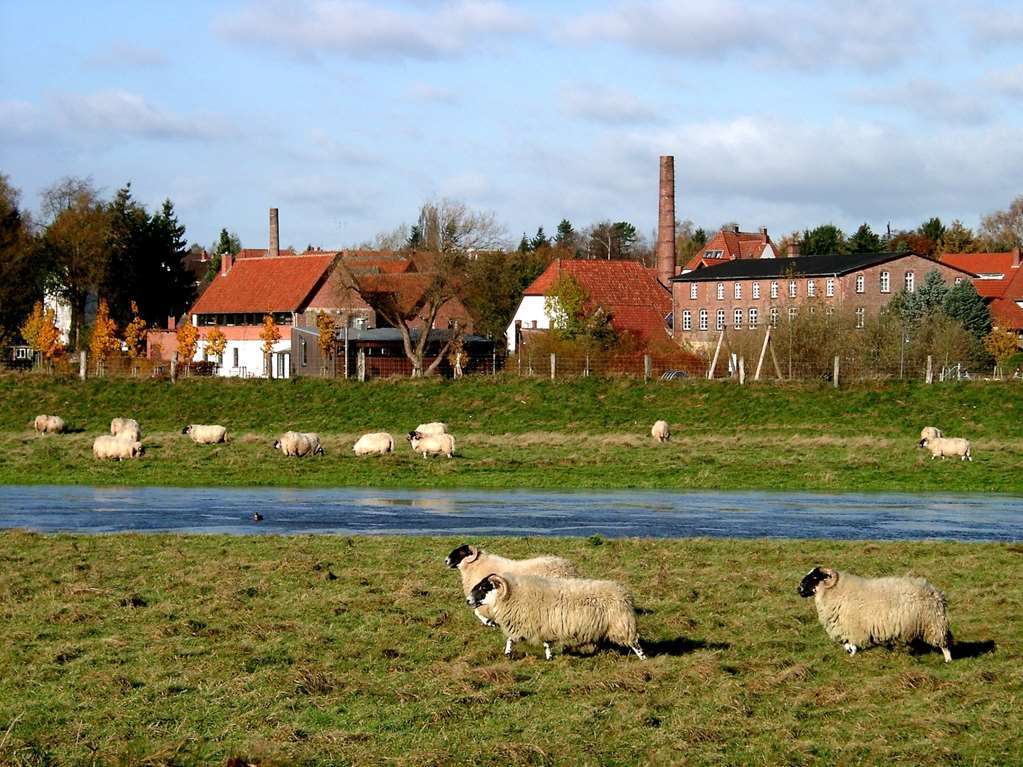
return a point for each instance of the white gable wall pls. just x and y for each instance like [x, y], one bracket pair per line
[531, 309]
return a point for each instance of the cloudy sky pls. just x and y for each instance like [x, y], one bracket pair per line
[348, 114]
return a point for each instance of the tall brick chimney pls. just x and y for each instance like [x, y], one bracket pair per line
[275, 234]
[665, 251]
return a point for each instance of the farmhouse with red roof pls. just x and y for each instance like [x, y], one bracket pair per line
[999, 281]
[730, 245]
[627, 290]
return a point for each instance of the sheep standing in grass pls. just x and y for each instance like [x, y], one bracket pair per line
[377, 443]
[49, 424]
[660, 431]
[117, 448]
[572, 611]
[956, 447]
[205, 434]
[299, 444]
[433, 444]
[929, 432]
[474, 564]
[126, 428]
[432, 429]
[859, 612]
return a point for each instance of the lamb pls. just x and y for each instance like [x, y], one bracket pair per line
[299, 444]
[474, 564]
[948, 446]
[126, 428]
[48, 424]
[108, 446]
[433, 444]
[573, 611]
[377, 443]
[929, 432]
[205, 434]
[431, 429]
[660, 431]
[862, 611]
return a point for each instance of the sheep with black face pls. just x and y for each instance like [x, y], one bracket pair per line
[859, 612]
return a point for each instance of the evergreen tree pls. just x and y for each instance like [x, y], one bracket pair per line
[865, 241]
[932, 292]
[168, 289]
[415, 236]
[957, 238]
[932, 229]
[22, 270]
[539, 240]
[565, 237]
[962, 303]
[226, 243]
[128, 242]
[825, 240]
[524, 244]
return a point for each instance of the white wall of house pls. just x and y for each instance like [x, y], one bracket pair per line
[530, 311]
[244, 359]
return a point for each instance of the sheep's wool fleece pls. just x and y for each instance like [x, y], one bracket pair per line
[486, 564]
[570, 611]
[865, 611]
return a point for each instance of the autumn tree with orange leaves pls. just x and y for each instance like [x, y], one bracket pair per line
[103, 341]
[135, 333]
[188, 341]
[326, 324]
[269, 335]
[41, 333]
[216, 343]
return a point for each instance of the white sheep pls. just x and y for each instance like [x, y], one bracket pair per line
[126, 428]
[299, 444]
[929, 432]
[433, 444]
[660, 431]
[48, 424]
[434, 428]
[107, 446]
[859, 612]
[948, 446]
[205, 434]
[474, 564]
[377, 443]
[573, 611]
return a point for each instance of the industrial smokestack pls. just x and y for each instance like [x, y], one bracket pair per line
[665, 251]
[275, 234]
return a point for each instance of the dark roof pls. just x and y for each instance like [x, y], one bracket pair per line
[803, 266]
[386, 335]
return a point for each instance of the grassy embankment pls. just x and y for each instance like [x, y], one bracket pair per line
[527, 433]
[321, 650]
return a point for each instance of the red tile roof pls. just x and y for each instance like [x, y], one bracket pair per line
[732, 245]
[628, 290]
[1006, 314]
[988, 263]
[265, 284]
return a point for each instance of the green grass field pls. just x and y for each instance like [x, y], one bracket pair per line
[512, 433]
[167, 650]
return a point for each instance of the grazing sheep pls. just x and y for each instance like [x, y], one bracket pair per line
[108, 446]
[573, 611]
[377, 443]
[48, 424]
[863, 611]
[126, 428]
[434, 428]
[474, 564]
[948, 446]
[205, 434]
[433, 444]
[299, 444]
[660, 431]
[929, 432]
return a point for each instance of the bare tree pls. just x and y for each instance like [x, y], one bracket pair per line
[1003, 229]
[450, 226]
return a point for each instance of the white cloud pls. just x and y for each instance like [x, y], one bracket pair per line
[358, 29]
[996, 26]
[1007, 83]
[610, 106]
[127, 55]
[871, 35]
[931, 99]
[432, 94]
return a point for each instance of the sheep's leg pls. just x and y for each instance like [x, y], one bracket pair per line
[507, 648]
[638, 650]
[850, 648]
[947, 653]
[547, 652]
[483, 619]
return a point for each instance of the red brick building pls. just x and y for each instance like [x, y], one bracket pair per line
[732, 245]
[999, 281]
[746, 294]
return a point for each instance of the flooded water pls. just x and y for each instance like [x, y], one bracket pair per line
[75, 508]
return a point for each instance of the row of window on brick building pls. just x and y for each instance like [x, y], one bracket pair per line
[811, 287]
[750, 318]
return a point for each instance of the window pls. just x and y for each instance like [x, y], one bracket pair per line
[754, 315]
[774, 316]
[958, 280]
[793, 311]
[235, 356]
[305, 353]
[687, 320]
[721, 319]
[713, 253]
[738, 290]
[792, 288]
[829, 287]
[886, 282]
[859, 283]
[774, 288]
[693, 290]
[861, 315]
[737, 318]
[703, 319]
[829, 311]
[756, 290]
[811, 288]
[910, 282]
[721, 291]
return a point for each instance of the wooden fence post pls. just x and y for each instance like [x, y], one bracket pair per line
[834, 375]
[777, 367]
[714, 362]
[493, 361]
[648, 368]
[174, 368]
[586, 371]
[554, 364]
[763, 351]
[81, 365]
[930, 370]
[742, 370]
[360, 365]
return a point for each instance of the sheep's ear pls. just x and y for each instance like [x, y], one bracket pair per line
[472, 556]
[499, 583]
[830, 577]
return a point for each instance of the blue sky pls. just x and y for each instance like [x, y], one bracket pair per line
[348, 115]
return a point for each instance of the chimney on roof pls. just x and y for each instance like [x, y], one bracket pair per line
[1016, 261]
[793, 250]
[763, 234]
[275, 234]
[735, 228]
[665, 250]
[171, 322]
[226, 262]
